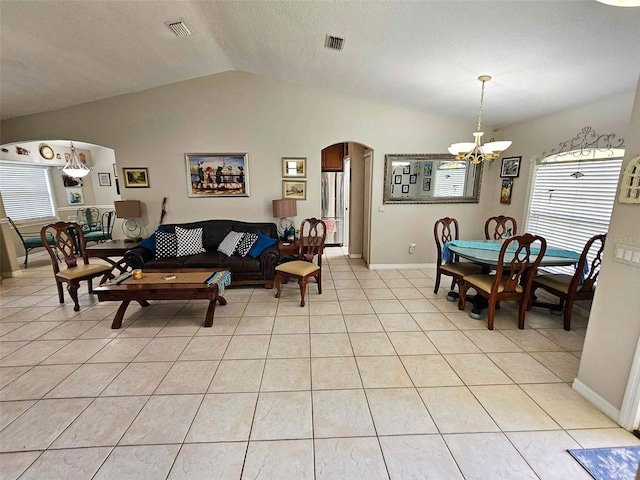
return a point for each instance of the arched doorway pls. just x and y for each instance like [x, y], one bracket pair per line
[346, 196]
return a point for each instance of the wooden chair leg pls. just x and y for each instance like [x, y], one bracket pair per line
[319, 280]
[60, 291]
[491, 314]
[522, 312]
[90, 281]
[566, 313]
[462, 301]
[278, 284]
[303, 289]
[72, 287]
[435, 289]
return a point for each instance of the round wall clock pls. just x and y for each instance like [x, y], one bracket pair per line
[47, 152]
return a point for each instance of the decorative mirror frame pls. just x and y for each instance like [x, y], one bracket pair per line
[388, 180]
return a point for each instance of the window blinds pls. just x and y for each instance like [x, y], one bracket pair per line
[450, 180]
[568, 210]
[26, 192]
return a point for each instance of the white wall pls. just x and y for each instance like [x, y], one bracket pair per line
[269, 119]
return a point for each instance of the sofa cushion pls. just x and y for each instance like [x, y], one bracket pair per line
[189, 241]
[237, 264]
[205, 260]
[166, 245]
[168, 263]
[245, 244]
[230, 242]
[261, 245]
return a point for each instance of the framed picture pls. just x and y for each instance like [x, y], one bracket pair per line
[69, 182]
[397, 179]
[115, 171]
[217, 174]
[117, 186]
[405, 188]
[294, 167]
[74, 196]
[296, 189]
[510, 167]
[506, 190]
[426, 184]
[428, 169]
[136, 177]
[413, 178]
[406, 170]
[104, 179]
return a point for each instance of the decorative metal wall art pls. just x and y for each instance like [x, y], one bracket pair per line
[585, 142]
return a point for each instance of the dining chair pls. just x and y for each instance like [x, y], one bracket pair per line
[69, 237]
[313, 233]
[105, 228]
[89, 219]
[569, 288]
[31, 241]
[512, 279]
[445, 230]
[497, 231]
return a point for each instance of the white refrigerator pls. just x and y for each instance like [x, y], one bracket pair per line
[333, 206]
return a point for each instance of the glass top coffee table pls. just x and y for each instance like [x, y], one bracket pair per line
[162, 286]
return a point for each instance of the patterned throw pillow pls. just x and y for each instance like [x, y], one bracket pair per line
[230, 242]
[166, 245]
[189, 241]
[244, 245]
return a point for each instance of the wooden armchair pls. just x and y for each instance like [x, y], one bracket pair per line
[571, 288]
[66, 235]
[513, 277]
[445, 230]
[313, 233]
[502, 225]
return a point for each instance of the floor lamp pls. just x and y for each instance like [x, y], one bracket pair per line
[130, 210]
[285, 208]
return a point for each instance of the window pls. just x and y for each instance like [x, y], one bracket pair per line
[572, 199]
[450, 179]
[26, 192]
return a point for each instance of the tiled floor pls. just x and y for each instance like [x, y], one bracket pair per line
[375, 378]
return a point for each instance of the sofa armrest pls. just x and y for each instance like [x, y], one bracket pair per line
[268, 261]
[137, 257]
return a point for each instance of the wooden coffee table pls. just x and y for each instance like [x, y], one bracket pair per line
[153, 286]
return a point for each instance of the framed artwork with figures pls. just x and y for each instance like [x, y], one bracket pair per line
[510, 167]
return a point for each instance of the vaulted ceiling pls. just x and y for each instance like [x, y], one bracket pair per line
[545, 56]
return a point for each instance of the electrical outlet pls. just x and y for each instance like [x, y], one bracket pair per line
[412, 247]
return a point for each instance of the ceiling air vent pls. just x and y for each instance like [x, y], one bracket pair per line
[179, 28]
[334, 43]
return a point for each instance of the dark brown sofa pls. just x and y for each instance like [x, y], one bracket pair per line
[244, 270]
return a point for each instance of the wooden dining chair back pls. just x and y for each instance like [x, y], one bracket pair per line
[445, 230]
[30, 241]
[569, 288]
[513, 276]
[70, 242]
[313, 233]
[501, 227]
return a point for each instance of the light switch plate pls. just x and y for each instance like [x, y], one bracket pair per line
[627, 254]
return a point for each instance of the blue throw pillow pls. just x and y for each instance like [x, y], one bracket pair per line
[261, 245]
[150, 243]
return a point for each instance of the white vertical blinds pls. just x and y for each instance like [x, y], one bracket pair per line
[26, 192]
[568, 208]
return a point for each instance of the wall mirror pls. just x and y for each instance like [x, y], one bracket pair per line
[430, 178]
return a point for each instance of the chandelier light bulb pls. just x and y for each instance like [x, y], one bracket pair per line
[74, 167]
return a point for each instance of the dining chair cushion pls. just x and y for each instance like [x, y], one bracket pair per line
[461, 268]
[82, 271]
[299, 268]
[558, 282]
[484, 282]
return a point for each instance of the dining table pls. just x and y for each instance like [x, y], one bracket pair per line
[487, 252]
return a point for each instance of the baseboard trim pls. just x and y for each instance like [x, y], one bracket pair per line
[17, 273]
[389, 266]
[355, 255]
[605, 407]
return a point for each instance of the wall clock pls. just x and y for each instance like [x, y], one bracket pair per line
[47, 152]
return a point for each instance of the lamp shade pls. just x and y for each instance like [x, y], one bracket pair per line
[285, 207]
[128, 208]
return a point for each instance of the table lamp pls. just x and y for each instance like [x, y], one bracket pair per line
[285, 208]
[130, 210]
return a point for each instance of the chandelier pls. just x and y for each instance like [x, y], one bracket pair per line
[475, 152]
[74, 167]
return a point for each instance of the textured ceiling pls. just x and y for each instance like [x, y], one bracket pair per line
[544, 56]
